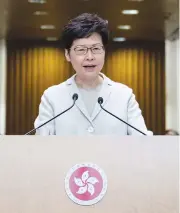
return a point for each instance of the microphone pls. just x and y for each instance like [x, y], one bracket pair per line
[74, 97]
[100, 101]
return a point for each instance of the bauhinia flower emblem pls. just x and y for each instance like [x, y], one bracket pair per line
[86, 183]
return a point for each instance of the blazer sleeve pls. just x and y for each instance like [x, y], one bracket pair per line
[135, 118]
[45, 113]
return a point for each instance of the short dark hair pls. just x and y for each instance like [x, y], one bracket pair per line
[83, 26]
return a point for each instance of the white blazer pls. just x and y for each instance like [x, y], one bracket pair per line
[118, 99]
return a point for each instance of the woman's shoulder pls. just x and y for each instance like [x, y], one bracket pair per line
[118, 86]
[55, 89]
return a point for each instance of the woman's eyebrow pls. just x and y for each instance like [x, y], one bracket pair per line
[84, 45]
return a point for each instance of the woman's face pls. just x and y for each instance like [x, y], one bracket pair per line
[87, 63]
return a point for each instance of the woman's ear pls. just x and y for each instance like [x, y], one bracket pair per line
[67, 55]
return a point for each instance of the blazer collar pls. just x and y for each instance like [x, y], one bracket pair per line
[104, 93]
[106, 81]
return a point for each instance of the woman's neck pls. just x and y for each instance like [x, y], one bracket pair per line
[88, 83]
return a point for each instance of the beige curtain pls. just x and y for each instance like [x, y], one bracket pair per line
[34, 67]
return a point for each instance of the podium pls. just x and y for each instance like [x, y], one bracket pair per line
[108, 174]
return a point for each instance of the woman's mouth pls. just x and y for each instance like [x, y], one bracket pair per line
[89, 68]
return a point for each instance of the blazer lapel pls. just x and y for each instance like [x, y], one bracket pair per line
[79, 103]
[104, 93]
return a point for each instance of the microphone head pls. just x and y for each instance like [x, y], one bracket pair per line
[75, 96]
[100, 100]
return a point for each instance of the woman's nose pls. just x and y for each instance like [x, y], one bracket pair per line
[89, 55]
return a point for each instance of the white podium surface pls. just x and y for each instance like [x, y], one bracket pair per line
[142, 173]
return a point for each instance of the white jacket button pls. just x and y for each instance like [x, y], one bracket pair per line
[90, 129]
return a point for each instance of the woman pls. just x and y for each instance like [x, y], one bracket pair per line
[85, 38]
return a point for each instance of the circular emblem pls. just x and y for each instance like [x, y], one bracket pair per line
[86, 184]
